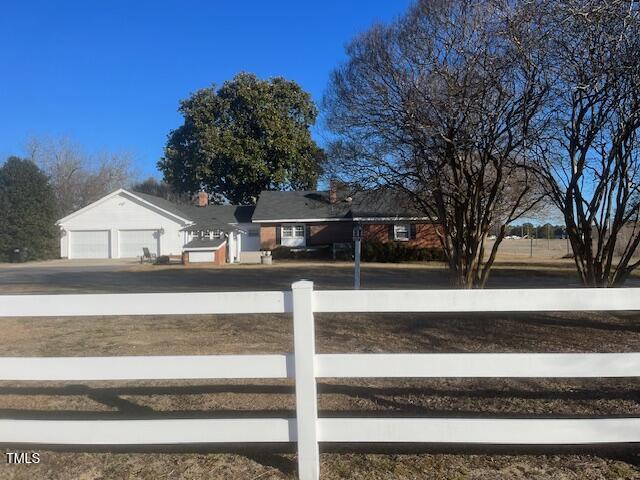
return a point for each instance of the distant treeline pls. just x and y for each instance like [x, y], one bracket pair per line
[536, 231]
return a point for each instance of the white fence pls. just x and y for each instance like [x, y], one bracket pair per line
[305, 366]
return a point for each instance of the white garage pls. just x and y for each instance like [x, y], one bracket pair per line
[122, 224]
[133, 241]
[89, 244]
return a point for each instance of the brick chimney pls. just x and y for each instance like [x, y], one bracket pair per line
[333, 191]
[203, 199]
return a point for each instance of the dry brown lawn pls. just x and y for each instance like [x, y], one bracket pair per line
[553, 332]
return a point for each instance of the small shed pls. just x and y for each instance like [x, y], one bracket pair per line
[205, 251]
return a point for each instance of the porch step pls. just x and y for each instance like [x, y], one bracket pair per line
[250, 257]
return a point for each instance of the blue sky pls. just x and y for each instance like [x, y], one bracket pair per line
[110, 74]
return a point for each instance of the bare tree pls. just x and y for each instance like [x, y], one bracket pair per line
[590, 160]
[151, 186]
[441, 104]
[77, 177]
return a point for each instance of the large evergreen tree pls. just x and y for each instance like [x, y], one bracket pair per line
[248, 136]
[27, 211]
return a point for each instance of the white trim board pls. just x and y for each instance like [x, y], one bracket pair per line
[203, 249]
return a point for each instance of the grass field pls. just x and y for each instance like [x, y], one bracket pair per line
[549, 251]
[552, 332]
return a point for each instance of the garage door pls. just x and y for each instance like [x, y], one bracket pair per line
[133, 241]
[89, 244]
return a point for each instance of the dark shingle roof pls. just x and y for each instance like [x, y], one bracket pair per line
[212, 244]
[222, 213]
[275, 205]
[309, 205]
[211, 216]
[163, 204]
[386, 203]
[209, 224]
[295, 205]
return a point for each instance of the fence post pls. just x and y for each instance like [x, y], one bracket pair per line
[304, 341]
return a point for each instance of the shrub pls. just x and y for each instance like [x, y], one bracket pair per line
[342, 251]
[399, 252]
[315, 253]
[391, 252]
[163, 260]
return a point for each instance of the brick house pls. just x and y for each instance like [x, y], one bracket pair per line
[303, 219]
[123, 224]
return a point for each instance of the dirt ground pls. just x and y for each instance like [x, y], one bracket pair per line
[552, 332]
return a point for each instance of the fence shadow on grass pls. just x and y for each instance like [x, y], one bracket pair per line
[577, 389]
[385, 401]
[281, 456]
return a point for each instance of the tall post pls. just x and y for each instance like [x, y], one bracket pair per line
[305, 372]
[357, 239]
[530, 243]
[356, 277]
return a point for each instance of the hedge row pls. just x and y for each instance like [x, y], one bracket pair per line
[391, 252]
[321, 253]
[399, 252]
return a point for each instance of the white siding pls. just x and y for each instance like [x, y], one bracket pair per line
[123, 212]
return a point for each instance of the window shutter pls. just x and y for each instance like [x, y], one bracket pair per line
[278, 234]
[392, 233]
[412, 231]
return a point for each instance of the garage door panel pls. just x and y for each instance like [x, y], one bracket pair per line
[133, 241]
[89, 244]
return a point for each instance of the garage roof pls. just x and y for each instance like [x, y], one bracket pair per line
[210, 216]
[202, 244]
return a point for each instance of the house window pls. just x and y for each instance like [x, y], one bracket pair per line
[254, 232]
[209, 234]
[293, 231]
[293, 235]
[401, 232]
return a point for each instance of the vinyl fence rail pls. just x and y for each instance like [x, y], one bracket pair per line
[305, 366]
